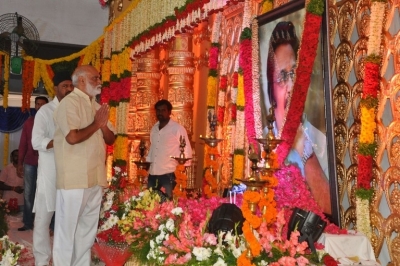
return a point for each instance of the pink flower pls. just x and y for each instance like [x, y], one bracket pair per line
[302, 261]
[210, 239]
[287, 261]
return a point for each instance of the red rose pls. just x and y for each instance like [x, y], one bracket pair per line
[329, 260]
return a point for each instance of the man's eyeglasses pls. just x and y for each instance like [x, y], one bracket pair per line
[283, 76]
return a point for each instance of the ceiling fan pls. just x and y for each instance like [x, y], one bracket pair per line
[17, 33]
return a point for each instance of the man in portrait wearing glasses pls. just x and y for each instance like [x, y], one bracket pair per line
[309, 148]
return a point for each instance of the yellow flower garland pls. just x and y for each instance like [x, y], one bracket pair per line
[6, 84]
[240, 95]
[5, 148]
[368, 125]
[106, 70]
[238, 166]
[211, 90]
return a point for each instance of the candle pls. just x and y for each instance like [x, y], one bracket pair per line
[230, 197]
[234, 197]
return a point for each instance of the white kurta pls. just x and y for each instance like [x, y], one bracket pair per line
[42, 134]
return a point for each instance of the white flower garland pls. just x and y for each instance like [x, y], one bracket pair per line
[256, 79]
[363, 219]
[377, 16]
[246, 14]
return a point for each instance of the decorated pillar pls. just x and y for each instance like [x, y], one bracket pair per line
[180, 83]
[148, 83]
[180, 88]
[133, 142]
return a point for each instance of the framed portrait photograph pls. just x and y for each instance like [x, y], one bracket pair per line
[280, 37]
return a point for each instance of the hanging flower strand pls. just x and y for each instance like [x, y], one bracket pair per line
[368, 105]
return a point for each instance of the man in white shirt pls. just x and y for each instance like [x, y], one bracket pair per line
[42, 141]
[165, 140]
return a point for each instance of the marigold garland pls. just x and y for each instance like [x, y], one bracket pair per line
[6, 59]
[181, 182]
[210, 184]
[27, 88]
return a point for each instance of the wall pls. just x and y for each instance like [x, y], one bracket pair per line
[73, 21]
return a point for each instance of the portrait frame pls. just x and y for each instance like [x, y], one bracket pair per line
[318, 112]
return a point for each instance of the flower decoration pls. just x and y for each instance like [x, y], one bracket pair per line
[181, 182]
[368, 105]
[3, 221]
[109, 214]
[9, 251]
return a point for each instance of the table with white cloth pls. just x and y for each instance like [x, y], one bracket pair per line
[349, 249]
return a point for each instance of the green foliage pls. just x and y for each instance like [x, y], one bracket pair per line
[246, 34]
[238, 152]
[213, 73]
[141, 253]
[240, 71]
[363, 193]
[215, 44]
[316, 7]
[368, 149]
[373, 58]
[65, 66]
[119, 162]
[369, 102]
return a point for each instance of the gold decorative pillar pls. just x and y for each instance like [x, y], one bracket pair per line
[148, 84]
[133, 142]
[180, 88]
[180, 83]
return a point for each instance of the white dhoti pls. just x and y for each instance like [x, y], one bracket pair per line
[41, 234]
[76, 223]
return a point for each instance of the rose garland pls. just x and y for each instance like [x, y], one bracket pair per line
[245, 62]
[368, 105]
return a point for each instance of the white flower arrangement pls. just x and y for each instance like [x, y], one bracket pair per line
[9, 252]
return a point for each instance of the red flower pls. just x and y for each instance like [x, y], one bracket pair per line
[235, 80]
[371, 80]
[364, 176]
[221, 112]
[306, 59]
[329, 261]
[223, 83]
[105, 95]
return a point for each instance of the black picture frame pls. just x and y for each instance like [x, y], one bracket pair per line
[321, 79]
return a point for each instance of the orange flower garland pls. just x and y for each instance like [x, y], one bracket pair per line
[210, 185]
[27, 88]
[6, 80]
[252, 222]
[181, 182]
